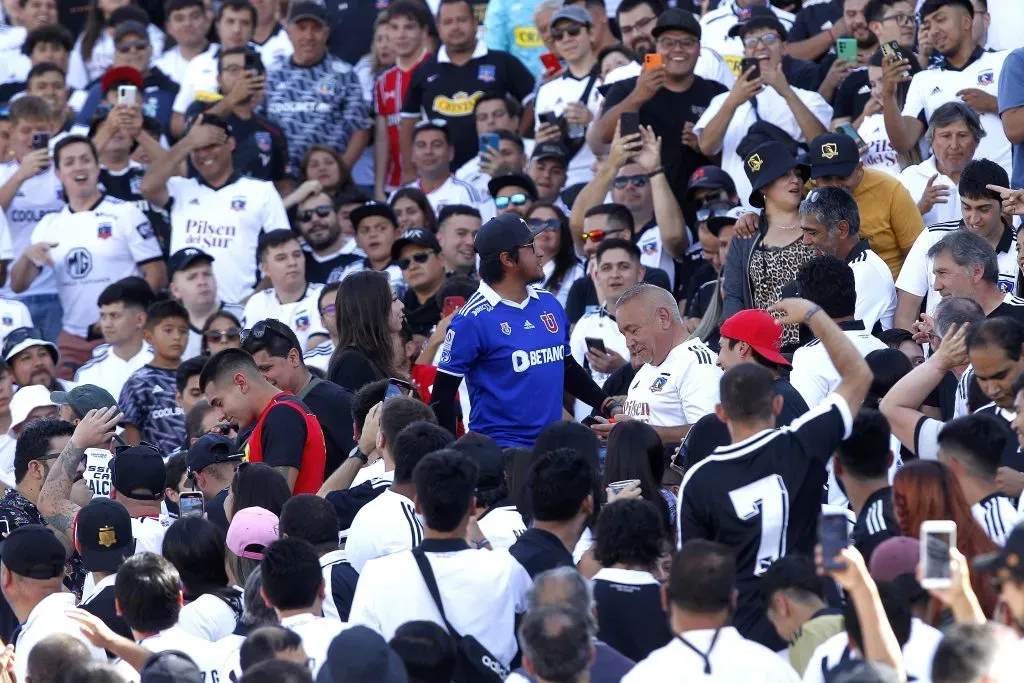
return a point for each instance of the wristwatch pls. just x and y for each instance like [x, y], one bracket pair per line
[607, 406]
[361, 456]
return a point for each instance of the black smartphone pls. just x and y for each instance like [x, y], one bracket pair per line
[548, 117]
[595, 343]
[748, 63]
[629, 123]
[253, 62]
[397, 387]
[40, 140]
[190, 504]
[834, 535]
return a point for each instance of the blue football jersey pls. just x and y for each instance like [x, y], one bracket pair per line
[513, 359]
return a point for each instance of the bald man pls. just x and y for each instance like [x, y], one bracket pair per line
[678, 383]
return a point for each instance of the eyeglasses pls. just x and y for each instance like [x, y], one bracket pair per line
[623, 180]
[901, 19]
[572, 29]
[668, 44]
[133, 46]
[420, 258]
[19, 335]
[518, 199]
[260, 330]
[704, 214]
[323, 211]
[767, 40]
[598, 235]
[550, 225]
[529, 244]
[48, 456]
[223, 336]
[630, 30]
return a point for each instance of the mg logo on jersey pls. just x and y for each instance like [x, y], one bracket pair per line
[550, 322]
[105, 231]
[78, 262]
[524, 360]
[506, 329]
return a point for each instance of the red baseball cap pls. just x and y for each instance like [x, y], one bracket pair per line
[121, 75]
[759, 329]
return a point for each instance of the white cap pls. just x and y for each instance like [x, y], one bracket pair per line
[25, 401]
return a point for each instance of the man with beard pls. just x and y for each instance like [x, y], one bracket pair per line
[316, 220]
[32, 360]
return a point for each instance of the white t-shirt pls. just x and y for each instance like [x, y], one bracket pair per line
[916, 276]
[915, 178]
[319, 356]
[715, 27]
[596, 325]
[733, 658]
[570, 276]
[95, 248]
[301, 316]
[455, 191]
[814, 375]
[876, 291]
[387, 524]
[317, 633]
[680, 391]
[175, 638]
[471, 173]
[881, 155]
[934, 87]
[997, 516]
[653, 253]
[226, 223]
[48, 618]
[108, 370]
[13, 314]
[918, 653]
[502, 526]
[7, 447]
[149, 533]
[174, 65]
[710, 65]
[208, 617]
[38, 196]
[554, 96]
[82, 73]
[394, 273]
[200, 76]
[773, 109]
[277, 47]
[231, 668]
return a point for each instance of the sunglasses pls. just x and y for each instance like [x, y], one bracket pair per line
[518, 199]
[323, 211]
[550, 225]
[767, 40]
[572, 30]
[133, 46]
[260, 330]
[704, 214]
[19, 335]
[598, 235]
[421, 258]
[223, 336]
[623, 180]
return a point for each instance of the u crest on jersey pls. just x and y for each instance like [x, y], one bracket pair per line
[550, 322]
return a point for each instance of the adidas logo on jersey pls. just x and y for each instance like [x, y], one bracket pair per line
[157, 390]
[194, 202]
[528, 325]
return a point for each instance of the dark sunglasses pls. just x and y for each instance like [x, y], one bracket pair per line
[550, 225]
[133, 46]
[223, 336]
[421, 258]
[260, 330]
[573, 30]
[518, 199]
[637, 180]
[323, 211]
[704, 214]
[598, 235]
[19, 335]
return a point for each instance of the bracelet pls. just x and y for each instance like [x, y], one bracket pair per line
[660, 169]
[607, 406]
[481, 544]
[810, 314]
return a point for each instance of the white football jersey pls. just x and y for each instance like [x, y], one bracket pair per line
[319, 356]
[38, 196]
[301, 316]
[680, 391]
[814, 375]
[455, 191]
[876, 291]
[226, 223]
[13, 314]
[95, 248]
[109, 371]
[997, 516]
[715, 26]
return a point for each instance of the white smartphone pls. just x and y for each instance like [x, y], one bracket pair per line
[938, 536]
[126, 94]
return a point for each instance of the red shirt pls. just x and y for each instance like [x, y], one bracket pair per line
[277, 434]
[388, 95]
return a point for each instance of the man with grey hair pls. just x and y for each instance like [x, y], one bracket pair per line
[964, 264]
[830, 221]
[954, 132]
[678, 383]
[983, 216]
[556, 645]
[976, 653]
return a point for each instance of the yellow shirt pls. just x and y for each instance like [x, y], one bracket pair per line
[889, 218]
[809, 636]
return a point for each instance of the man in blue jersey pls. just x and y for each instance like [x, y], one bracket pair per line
[511, 343]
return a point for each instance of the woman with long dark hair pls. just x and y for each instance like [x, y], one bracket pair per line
[634, 449]
[555, 249]
[221, 331]
[93, 52]
[413, 210]
[369, 316]
[256, 485]
[196, 548]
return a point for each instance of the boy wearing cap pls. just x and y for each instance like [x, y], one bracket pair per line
[376, 228]
[290, 297]
[418, 255]
[194, 284]
[547, 170]
[720, 27]
[211, 464]
[103, 538]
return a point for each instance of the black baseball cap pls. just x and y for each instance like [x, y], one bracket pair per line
[307, 9]
[103, 535]
[359, 654]
[515, 179]
[33, 551]
[138, 472]
[753, 18]
[1008, 561]
[372, 209]
[488, 455]
[676, 19]
[417, 236]
[709, 177]
[833, 154]
[506, 232]
[131, 27]
[932, 6]
[183, 258]
[83, 398]
[551, 150]
[211, 449]
[768, 162]
[170, 666]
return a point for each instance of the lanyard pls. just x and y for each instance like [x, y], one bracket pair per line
[706, 656]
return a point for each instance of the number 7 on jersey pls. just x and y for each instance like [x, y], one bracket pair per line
[768, 498]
